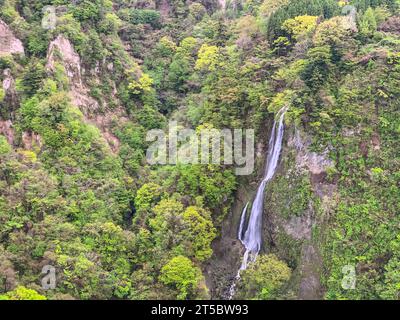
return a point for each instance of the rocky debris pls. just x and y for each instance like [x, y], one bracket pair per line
[314, 164]
[378, 54]
[9, 44]
[259, 150]
[10, 90]
[6, 129]
[104, 122]
[164, 8]
[8, 81]
[221, 271]
[69, 57]
[392, 25]
[376, 141]
[31, 140]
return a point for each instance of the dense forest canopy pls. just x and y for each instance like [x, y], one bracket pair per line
[79, 95]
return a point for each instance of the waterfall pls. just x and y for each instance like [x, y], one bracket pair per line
[242, 222]
[252, 239]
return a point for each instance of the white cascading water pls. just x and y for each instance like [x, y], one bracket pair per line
[252, 239]
[242, 222]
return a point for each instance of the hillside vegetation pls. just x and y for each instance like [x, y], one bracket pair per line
[79, 97]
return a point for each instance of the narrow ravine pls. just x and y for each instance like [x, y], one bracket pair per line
[252, 237]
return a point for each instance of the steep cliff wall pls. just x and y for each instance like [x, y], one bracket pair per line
[9, 44]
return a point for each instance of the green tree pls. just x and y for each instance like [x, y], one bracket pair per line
[33, 77]
[22, 293]
[199, 231]
[300, 26]
[167, 223]
[294, 8]
[368, 24]
[208, 58]
[147, 195]
[4, 146]
[263, 278]
[183, 275]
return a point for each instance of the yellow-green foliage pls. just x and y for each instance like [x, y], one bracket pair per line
[22, 293]
[208, 57]
[197, 10]
[187, 46]
[199, 229]
[146, 195]
[111, 23]
[167, 218]
[263, 278]
[332, 32]
[9, 13]
[142, 85]
[28, 155]
[281, 100]
[291, 73]
[2, 94]
[4, 146]
[182, 274]
[300, 26]
[116, 227]
[167, 45]
[189, 231]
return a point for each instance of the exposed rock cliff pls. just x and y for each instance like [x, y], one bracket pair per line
[9, 44]
[297, 204]
[7, 130]
[11, 96]
[62, 51]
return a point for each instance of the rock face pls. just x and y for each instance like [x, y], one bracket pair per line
[61, 50]
[31, 140]
[300, 228]
[11, 102]
[311, 266]
[292, 237]
[7, 130]
[314, 164]
[11, 97]
[222, 3]
[391, 25]
[69, 57]
[8, 82]
[9, 44]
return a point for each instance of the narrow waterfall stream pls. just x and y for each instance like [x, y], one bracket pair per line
[252, 237]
